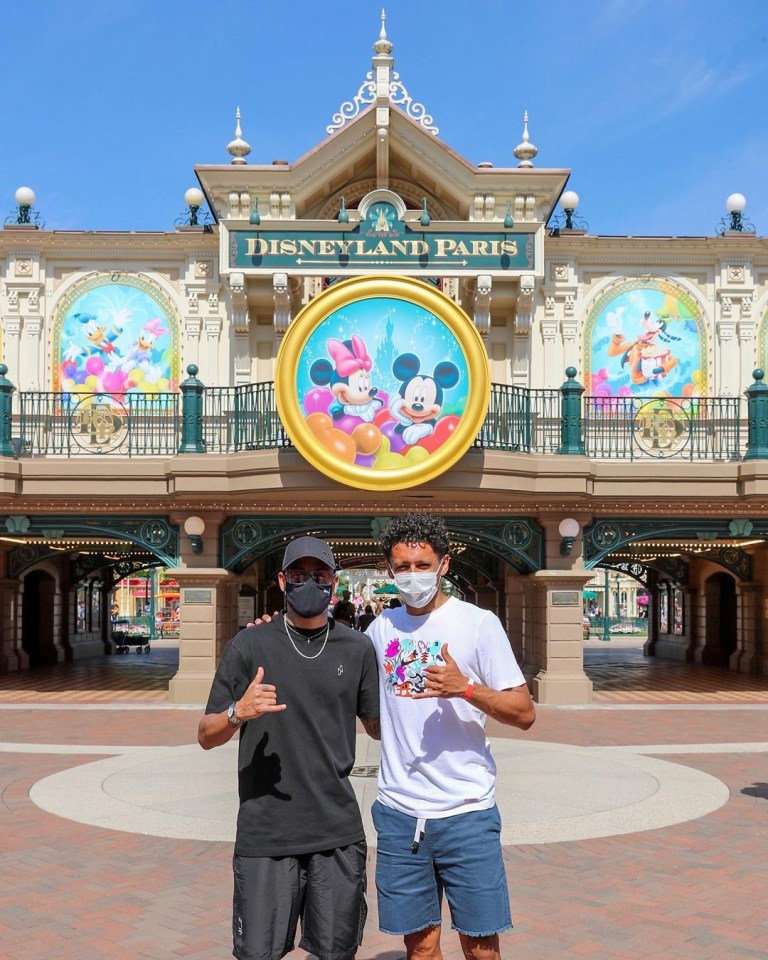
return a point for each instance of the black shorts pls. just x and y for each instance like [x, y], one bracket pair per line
[326, 891]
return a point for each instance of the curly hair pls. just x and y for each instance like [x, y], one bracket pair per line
[416, 528]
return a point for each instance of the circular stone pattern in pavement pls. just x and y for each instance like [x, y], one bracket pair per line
[546, 792]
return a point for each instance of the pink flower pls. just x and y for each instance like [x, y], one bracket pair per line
[393, 649]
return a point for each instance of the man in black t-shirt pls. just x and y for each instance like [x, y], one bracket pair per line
[295, 687]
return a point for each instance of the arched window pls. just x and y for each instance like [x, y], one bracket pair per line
[645, 337]
[115, 333]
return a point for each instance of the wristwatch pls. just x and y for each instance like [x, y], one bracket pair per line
[232, 714]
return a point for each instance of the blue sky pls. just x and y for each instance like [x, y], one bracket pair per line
[657, 106]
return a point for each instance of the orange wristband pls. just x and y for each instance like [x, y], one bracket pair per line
[469, 691]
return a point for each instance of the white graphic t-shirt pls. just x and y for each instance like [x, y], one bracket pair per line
[435, 759]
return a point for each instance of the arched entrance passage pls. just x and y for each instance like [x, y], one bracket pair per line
[517, 541]
[705, 584]
[66, 613]
[37, 623]
[484, 551]
[720, 634]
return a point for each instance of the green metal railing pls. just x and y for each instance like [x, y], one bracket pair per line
[521, 420]
[200, 420]
[82, 424]
[688, 428]
[242, 418]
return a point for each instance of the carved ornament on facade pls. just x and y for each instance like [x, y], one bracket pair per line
[726, 305]
[281, 294]
[33, 326]
[549, 331]
[12, 326]
[213, 302]
[481, 304]
[192, 299]
[559, 272]
[746, 307]
[726, 329]
[746, 331]
[239, 294]
[397, 94]
[451, 288]
[524, 306]
[192, 326]
[570, 304]
[570, 333]
[203, 269]
[23, 267]
[310, 288]
[13, 299]
[549, 306]
[213, 327]
[735, 273]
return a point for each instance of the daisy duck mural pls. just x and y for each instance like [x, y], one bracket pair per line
[115, 337]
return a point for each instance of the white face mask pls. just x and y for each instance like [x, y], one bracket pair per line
[417, 589]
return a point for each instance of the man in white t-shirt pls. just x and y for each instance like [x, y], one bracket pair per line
[444, 665]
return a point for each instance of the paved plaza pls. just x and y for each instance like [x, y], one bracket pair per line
[633, 828]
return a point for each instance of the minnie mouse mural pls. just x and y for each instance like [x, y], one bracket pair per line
[382, 382]
[350, 379]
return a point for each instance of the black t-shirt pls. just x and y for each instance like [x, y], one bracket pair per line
[293, 765]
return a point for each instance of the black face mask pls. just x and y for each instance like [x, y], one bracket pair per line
[308, 599]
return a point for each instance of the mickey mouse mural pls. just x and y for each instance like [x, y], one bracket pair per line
[419, 401]
[382, 382]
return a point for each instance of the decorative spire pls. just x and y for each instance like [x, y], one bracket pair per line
[383, 45]
[381, 84]
[525, 151]
[238, 147]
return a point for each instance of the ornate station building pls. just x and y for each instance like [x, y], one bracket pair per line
[383, 325]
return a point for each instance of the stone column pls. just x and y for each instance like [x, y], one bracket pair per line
[12, 656]
[192, 328]
[11, 347]
[746, 658]
[556, 627]
[31, 352]
[207, 611]
[487, 597]
[558, 637]
[652, 613]
[205, 625]
[515, 618]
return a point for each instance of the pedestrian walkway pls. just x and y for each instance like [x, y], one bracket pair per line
[631, 833]
[619, 671]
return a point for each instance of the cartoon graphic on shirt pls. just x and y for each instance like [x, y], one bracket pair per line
[405, 661]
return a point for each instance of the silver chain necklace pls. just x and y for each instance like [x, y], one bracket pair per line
[303, 655]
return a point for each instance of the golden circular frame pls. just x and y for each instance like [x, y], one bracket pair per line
[410, 294]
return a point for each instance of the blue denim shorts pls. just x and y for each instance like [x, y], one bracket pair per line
[459, 854]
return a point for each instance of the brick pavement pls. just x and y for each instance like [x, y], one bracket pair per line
[695, 890]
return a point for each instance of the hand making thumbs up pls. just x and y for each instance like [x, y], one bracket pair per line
[444, 681]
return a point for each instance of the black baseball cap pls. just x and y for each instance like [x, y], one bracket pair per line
[308, 547]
